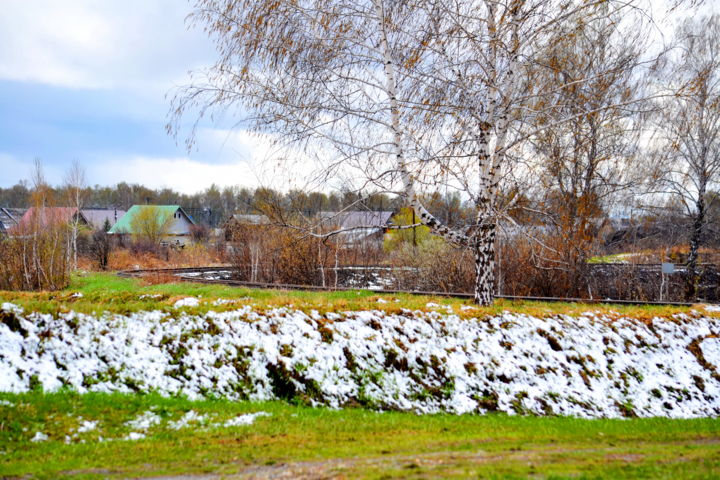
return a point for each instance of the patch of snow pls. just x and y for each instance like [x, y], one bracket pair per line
[76, 295]
[466, 308]
[190, 417]
[6, 403]
[134, 436]
[247, 419]
[224, 301]
[712, 308]
[149, 295]
[12, 308]
[144, 421]
[711, 351]
[187, 302]
[431, 305]
[39, 437]
[87, 426]
[381, 300]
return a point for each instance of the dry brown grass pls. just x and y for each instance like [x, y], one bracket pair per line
[193, 255]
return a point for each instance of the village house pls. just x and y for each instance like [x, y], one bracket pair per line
[97, 217]
[48, 217]
[176, 232]
[358, 227]
[9, 218]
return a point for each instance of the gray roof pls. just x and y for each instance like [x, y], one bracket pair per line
[356, 219]
[10, 217]
[96, 216]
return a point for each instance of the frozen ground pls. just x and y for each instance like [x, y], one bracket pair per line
[589, 366]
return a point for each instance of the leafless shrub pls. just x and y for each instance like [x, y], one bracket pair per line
[100, 248]
[433, 265]
[199, 233]
[37, 256]
[271, 254]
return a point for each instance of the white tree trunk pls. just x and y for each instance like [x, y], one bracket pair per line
[484, 251]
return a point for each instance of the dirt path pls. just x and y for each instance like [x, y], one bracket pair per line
[415, 465]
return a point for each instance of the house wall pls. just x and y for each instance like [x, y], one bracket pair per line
[180, 226]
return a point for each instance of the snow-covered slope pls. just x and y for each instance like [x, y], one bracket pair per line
[588, 366]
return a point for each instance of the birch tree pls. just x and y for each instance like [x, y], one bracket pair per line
[75, 185]
[690, 125]
[405, 94]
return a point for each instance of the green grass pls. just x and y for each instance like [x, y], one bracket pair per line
[297, 440]
[615, 258]
[353, 442]
[108, 292]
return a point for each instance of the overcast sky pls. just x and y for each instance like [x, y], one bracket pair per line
[87, 80]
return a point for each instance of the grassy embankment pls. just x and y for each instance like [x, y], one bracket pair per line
[298, 440]
[107, 292]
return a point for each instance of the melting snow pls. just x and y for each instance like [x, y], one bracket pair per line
[190, 417]
[144, 421]
[187, 302]
[712, 308]
[134, 436]
[39, 437]
[589, 365]
[247, 419]
[87, 426]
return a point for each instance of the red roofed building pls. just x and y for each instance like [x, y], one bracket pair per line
[48, 217]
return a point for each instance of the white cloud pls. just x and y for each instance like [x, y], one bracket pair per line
[187, 175]
[13, 170]
[91, 44]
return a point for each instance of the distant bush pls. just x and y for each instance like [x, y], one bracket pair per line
[37, 256]
[433, 266]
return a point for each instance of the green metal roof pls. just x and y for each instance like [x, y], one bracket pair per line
[123, 225]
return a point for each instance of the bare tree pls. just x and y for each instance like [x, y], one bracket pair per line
[75, 185]
[689, 124]
[403, 95]
[591, 154]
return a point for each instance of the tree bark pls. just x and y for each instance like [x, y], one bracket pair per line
[484, 250]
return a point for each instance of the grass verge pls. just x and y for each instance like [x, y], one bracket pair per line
[315, 442]
[98, 292]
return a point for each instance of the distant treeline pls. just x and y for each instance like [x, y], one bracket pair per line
[214, 205]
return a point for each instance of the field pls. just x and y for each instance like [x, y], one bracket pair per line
[303, 442]
[97, 435]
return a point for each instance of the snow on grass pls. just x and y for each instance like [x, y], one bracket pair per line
[39, 437]
[588, 366]
[191, 417]
[227, 301]
[134, 436]
[247, 419]
[187, 302]
[87, 426]
[712, 308]
[6, 403]
[144, 421]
